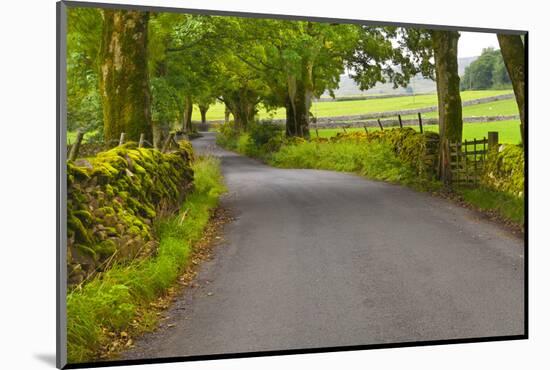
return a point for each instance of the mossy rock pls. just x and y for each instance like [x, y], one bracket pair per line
[84, 216]
[79, 231]
[106, 248]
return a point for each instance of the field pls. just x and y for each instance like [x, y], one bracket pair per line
[356, 107]
[496, 108]
[508, 131]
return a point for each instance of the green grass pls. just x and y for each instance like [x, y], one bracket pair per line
[508, 130]
[376, 161]
[356, 107]
[508, 206]
[112, 300]
[506, 107]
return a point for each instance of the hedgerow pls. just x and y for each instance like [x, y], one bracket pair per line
[504, 170]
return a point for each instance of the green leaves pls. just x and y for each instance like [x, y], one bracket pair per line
[165, 101]
[486, 72]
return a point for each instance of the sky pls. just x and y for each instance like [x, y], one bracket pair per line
[470, 44]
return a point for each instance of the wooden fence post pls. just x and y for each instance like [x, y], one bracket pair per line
[492, 140]
[122, 136]
[141, 140]
[380, 124]
[420, 122]
[400, 121]
[76, 146]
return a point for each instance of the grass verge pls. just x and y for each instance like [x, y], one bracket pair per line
[507, 207]
[376, 161]
[120, 298]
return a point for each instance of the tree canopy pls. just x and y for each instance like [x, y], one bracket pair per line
[141, 73]
[242, 62]
[486, 72]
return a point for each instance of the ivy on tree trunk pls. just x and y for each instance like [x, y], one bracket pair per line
[124, 79]
[513, 53]
[299, 100]
[445, 47]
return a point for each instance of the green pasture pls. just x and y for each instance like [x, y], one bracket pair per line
[356, 107]
[506, 107]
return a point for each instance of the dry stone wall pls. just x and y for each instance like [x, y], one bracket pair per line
[113, 199]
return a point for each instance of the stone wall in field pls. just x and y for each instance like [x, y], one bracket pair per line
[112, 200]
[370, 118]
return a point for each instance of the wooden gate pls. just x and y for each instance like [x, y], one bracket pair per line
[467, 160]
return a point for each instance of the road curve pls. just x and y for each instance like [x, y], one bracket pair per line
[322, 259]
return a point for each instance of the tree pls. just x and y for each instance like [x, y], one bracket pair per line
[189, 50]
[433, 53]
[485, 72]
[84, 109]
[124, 79]
[513, 53]
[445, 47]
[295, 61]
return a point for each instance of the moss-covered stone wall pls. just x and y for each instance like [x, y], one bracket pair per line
[113, 199]
[504, 170]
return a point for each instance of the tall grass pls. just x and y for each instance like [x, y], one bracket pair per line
[113, 300]
[375, 161]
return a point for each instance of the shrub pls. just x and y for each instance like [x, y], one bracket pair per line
[261, 133]
[504, 170]
[375, 160]
[410, 146]
[228, 135]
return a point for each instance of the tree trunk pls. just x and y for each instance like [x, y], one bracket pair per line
[243, 107]
[187, 114]
[299, 100]
[513, 53]
[445, 46]
[226, 115]
[203, 109]
[157, 135]
[124, 79]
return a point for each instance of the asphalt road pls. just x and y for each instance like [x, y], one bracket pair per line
[321, 259]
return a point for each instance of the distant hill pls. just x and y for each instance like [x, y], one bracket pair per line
[418, 85]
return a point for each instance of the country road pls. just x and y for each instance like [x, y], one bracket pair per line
[320, 259]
